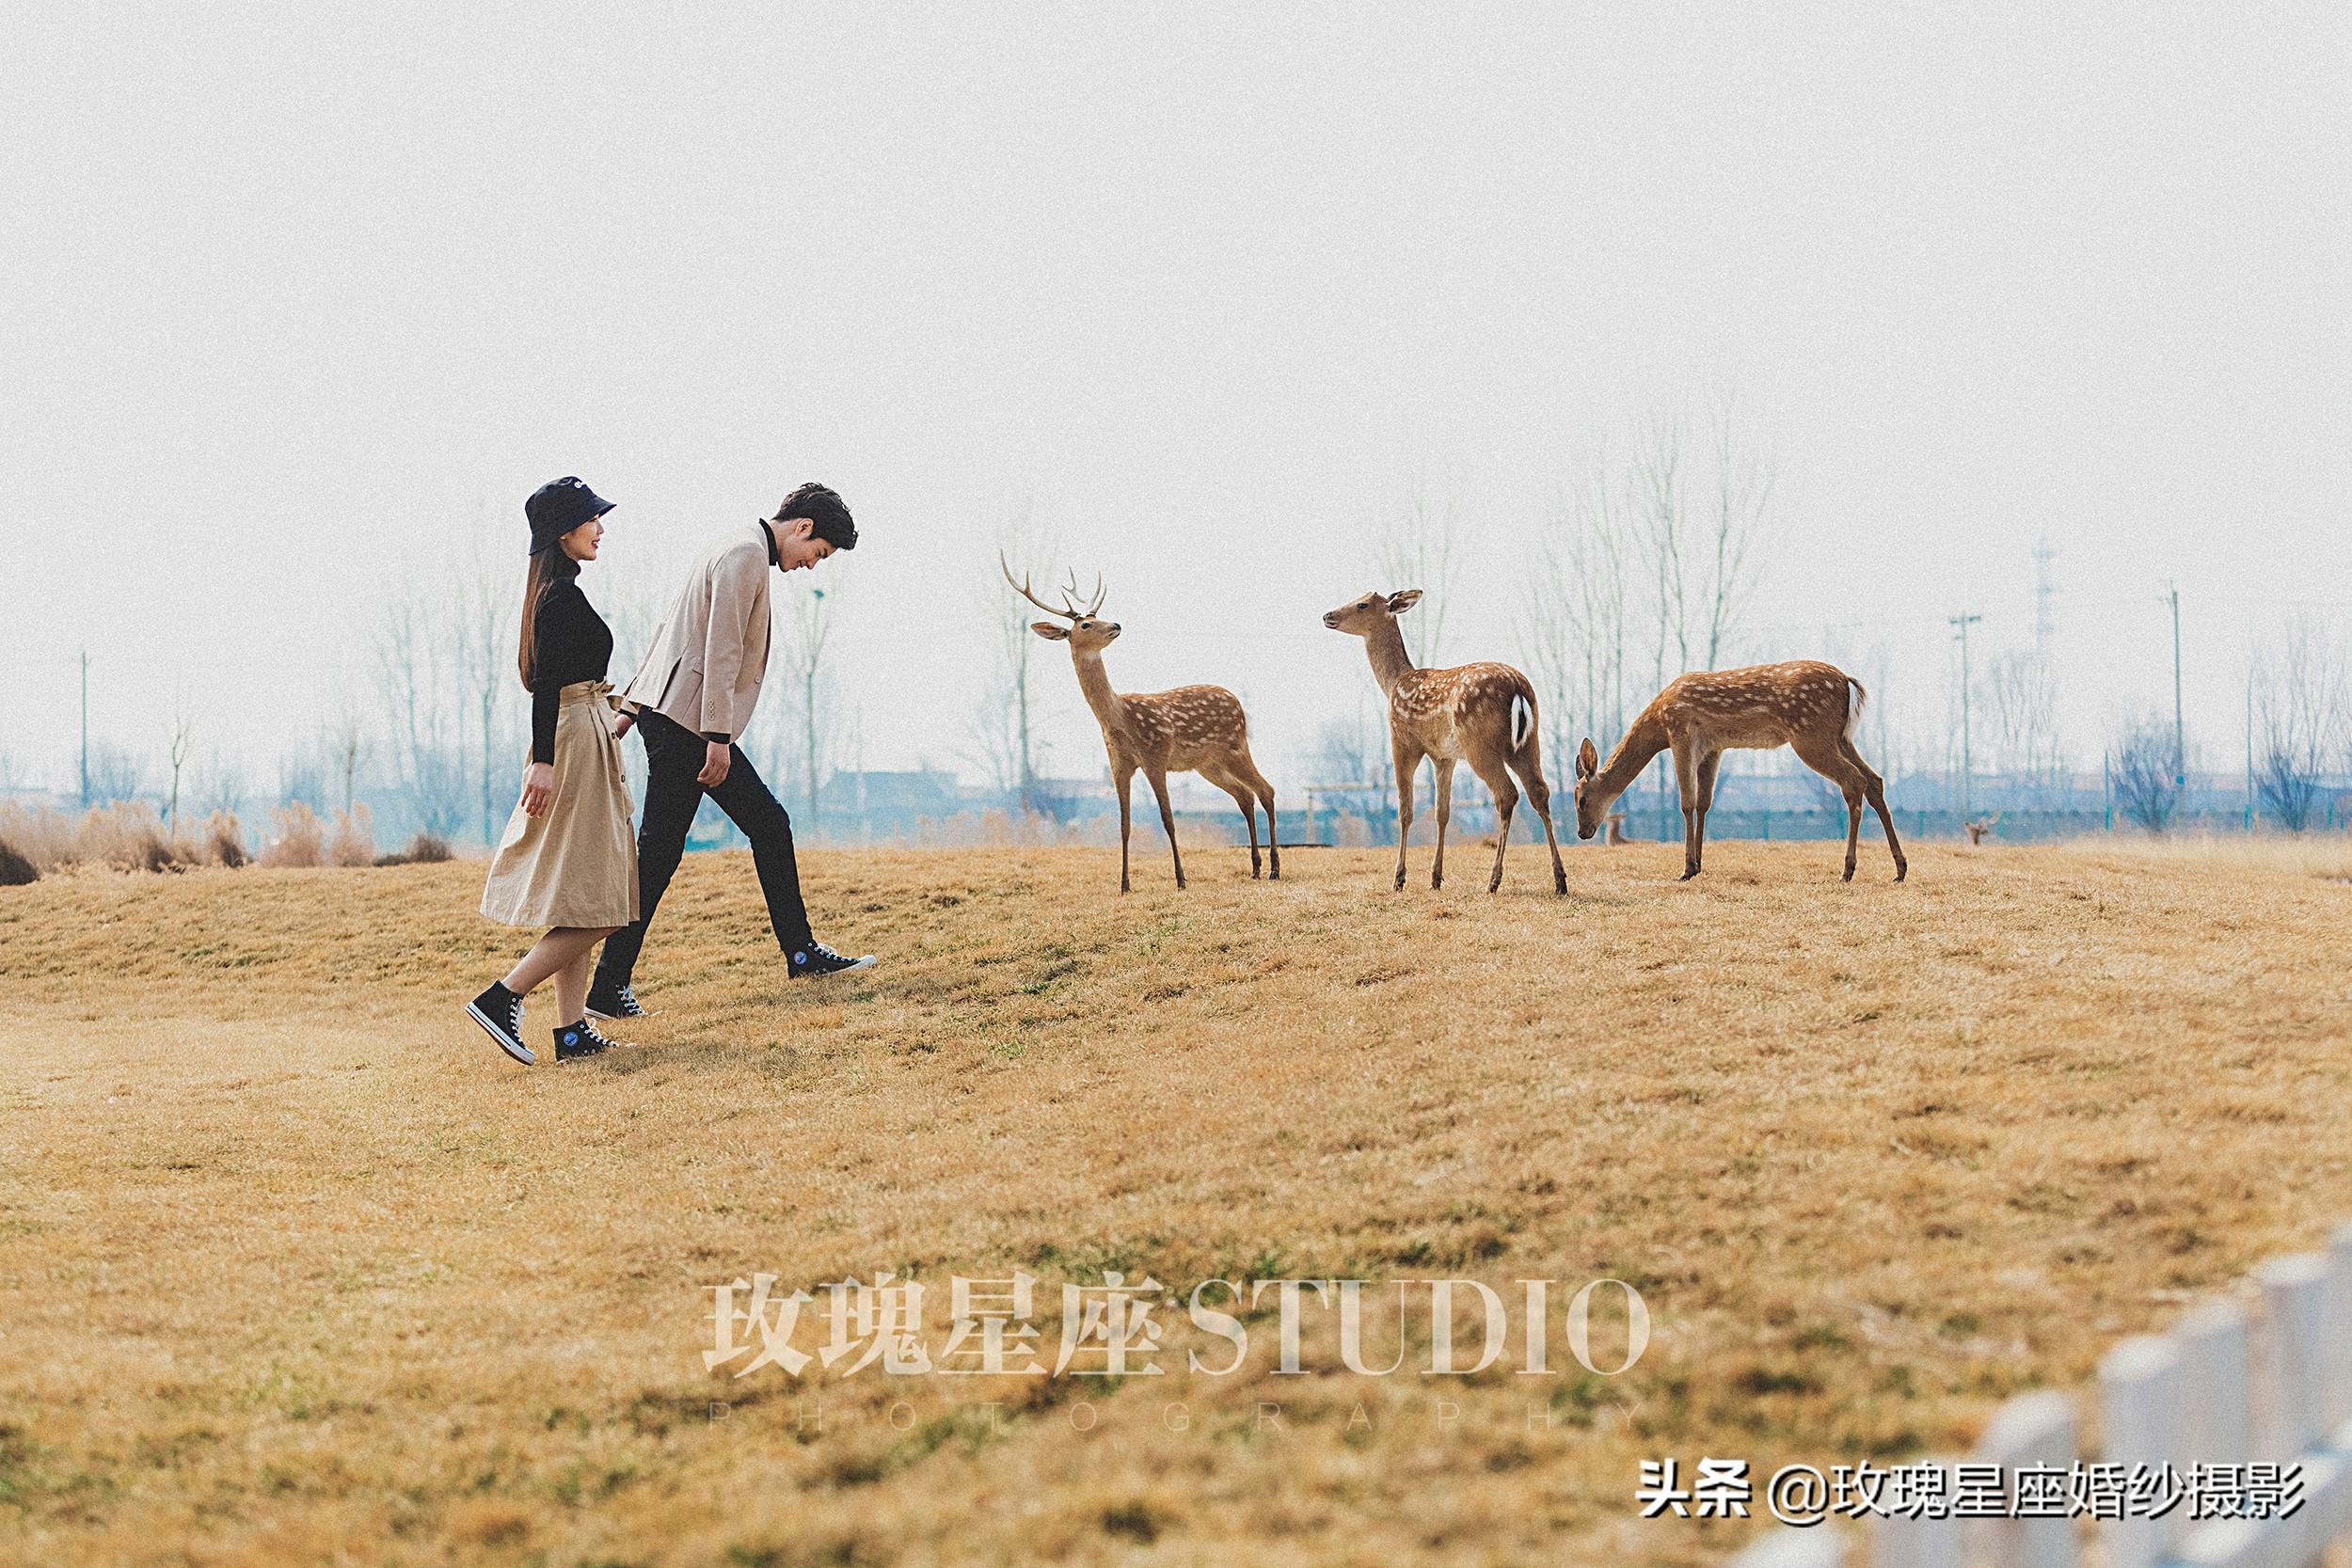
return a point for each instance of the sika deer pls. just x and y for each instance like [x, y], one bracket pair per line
[1198, 729]
[1482, 714]
[1802, 704]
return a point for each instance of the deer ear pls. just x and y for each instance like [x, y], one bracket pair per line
[1587, 760]
[1051, 632]
[1403, 600]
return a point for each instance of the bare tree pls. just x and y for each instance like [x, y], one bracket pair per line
[345, 743]
[115, 775]
[2142, 771]
[1579, 604]
[1004, 721]
[2021, 697]
[1740, 488]
[220, 786]
[807, 626]
[180, 738]
[2300, 719]
[486, 615]
[1417, 550]
[420, 691]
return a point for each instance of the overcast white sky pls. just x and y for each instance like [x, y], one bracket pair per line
[295, 299]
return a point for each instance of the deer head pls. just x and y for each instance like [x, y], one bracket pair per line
[1590, 802]
[1362, 617]
[1085, 633]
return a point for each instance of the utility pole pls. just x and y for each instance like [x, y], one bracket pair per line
[2249, 748]
[1962, 622]
[85, 729]
[2179, 733]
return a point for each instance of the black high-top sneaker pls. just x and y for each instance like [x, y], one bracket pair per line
[500, 1011]
[575, 1041]
[614, 1003]
[817, 959]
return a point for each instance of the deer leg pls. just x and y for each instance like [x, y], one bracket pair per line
[1125, 775]
[1168, 820]
[1444, 768]
[1707, 767]
[1874, 790]
[1408, 763]
[1232, 786]
[1686, 783]
[1531, 775]
[1832, 764]
[1265, 792]
[1506, 794]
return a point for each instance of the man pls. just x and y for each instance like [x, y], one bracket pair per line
[690, 702]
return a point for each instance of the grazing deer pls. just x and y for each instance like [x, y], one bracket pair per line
[1802, 704]
[1193, 729]
[1482, 714]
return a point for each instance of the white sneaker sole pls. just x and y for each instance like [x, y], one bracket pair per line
[507, 1042]
[620, 1018]
[865, 962]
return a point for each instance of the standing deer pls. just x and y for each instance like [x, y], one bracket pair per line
[1802, 704]
[1196, 729]
[1482, 714]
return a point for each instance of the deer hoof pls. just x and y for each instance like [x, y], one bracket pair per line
[1848, 876]
[1688, 875]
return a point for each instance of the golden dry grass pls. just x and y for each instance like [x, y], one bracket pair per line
[293, 1265]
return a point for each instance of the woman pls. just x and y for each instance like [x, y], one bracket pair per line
[568, 859]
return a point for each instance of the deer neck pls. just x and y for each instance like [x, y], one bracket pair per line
[1095, 683]
[1644, 740]
[1385, 645]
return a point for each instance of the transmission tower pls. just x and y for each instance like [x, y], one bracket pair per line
[2044, 599]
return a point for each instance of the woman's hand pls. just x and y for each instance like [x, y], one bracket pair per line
[538, 789]
[623, 721]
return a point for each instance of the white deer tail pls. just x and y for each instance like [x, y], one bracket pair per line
[1522, 720]
[1853, 709]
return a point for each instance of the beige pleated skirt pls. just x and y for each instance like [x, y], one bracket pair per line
[576, 865]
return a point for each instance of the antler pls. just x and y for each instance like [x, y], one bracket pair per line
[1021, 588]
[1068, 610]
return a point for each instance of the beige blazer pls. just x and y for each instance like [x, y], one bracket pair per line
[710, 652]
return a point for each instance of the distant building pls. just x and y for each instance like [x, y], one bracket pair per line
[856, 806]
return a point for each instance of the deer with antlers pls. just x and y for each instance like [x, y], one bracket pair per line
[1192, 729]
[1482, 714]
[1803, 705]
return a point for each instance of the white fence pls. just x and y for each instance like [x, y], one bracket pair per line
[2223, 1388]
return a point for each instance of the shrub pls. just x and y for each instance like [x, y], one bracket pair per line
[298, 838]
[352, 844]
[15, 869]
[224, 840]
[45, 836]
[426, 849]
[128, 836]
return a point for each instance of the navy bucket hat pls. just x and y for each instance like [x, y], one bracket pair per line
[560, 506]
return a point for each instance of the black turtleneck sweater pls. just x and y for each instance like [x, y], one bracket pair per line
[571, 643]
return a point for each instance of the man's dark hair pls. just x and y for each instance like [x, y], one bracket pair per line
[829, 519]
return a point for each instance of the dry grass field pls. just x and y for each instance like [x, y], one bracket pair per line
[295, 1268]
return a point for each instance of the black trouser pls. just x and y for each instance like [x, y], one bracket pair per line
[673, 755]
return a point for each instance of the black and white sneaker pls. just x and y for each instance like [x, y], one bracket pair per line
[817, 959]
[614, 1003]
[500, 1011]
[576, 1040]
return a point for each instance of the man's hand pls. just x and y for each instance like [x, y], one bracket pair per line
[538, 789]
[714, 771]
[623, 723]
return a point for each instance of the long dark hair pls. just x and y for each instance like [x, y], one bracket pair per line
[551, 569]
